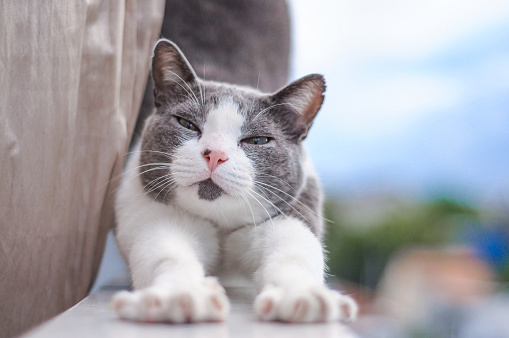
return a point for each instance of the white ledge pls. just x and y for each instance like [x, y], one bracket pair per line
[94, 318]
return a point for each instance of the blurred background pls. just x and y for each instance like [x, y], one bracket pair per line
[412, 146]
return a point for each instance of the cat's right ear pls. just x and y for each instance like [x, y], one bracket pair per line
[171, 71]
[304, 97]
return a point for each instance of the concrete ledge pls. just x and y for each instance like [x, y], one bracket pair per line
[93, 318]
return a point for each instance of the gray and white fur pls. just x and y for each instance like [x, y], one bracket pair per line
[220, 189]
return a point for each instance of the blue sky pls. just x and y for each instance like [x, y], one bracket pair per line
[418, 95]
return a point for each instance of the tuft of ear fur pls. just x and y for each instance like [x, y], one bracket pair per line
[304, 97]
[170, 69]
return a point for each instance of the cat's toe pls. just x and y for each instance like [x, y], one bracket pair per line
[333, 306]
[218, 307]
[298, 311]
[183, 308]
[146, 305]
[348, 308]
[297, 307]
[304, 305]
[124, 303]
[265, 305]
[152, 306]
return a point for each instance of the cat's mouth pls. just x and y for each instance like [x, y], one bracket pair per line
[208, 190]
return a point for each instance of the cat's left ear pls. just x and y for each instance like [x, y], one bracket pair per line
[171, 71]
[304, 98]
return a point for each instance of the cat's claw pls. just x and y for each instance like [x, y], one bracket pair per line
[304, 305]
[199, 302]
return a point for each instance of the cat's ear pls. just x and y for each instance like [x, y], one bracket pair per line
[303, 98]
[170, 69]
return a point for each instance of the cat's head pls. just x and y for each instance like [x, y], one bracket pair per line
[221, 151]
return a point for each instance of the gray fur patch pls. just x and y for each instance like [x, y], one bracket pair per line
[208, 190]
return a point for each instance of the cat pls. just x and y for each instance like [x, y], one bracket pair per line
[220, 187]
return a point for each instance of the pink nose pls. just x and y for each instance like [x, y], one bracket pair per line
[214, 158]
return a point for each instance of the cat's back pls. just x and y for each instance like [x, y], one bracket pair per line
[240, 42]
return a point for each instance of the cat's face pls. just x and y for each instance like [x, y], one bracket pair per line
[223, 152]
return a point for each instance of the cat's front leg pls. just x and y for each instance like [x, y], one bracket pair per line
[290, 275]
[167, 260]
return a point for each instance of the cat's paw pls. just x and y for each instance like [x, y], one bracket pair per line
[304, 305]
[198, 302]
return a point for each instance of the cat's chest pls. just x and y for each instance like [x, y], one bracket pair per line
[232, 245]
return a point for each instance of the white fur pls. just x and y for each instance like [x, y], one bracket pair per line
[172, 248]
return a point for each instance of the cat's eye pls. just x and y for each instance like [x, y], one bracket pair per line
[187, 124]
[258, 140]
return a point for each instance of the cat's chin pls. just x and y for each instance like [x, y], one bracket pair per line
[226, 210]
[208, 190]
[212, 187]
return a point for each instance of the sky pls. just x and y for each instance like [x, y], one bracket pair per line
[417, 99]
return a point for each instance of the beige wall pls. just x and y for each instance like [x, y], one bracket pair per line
[72, 76]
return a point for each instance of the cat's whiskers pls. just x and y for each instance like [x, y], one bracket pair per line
[270, 217]
[267, 198]
[235, 180]
[268, 214]
[170, 156]
[129, 170]
[282, 199]
[251, 106]
[243, 199]
[278, 178]
[184, 82]
[187, 95]
[161, 167]
[272, 204]
[166, 187]
[157, 182]
[154, 184]
[295, 199]
[263, 192]
[168, 183]
[200, 87]
[266, 186]
[167, 180]
[270, 107]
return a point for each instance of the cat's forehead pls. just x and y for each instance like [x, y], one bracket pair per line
[226, 101]
[224, 117]
[243, 98]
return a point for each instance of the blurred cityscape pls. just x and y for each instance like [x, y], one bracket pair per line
[421, 268]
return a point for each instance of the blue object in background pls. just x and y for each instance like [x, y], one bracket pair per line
[490, 242]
